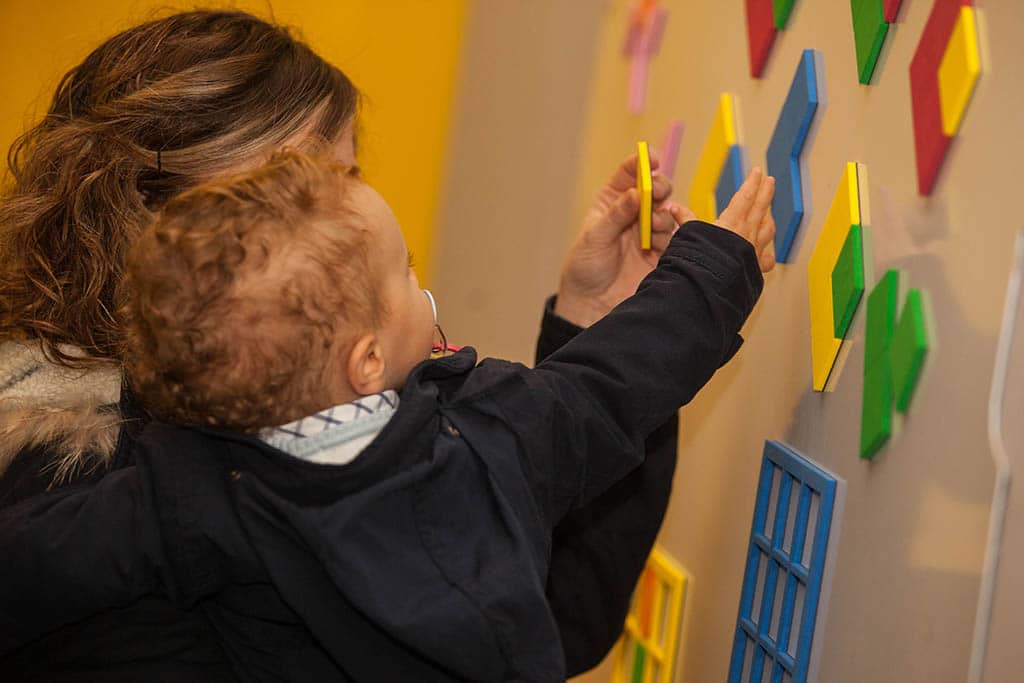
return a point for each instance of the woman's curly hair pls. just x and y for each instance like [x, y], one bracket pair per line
[242, 292]
[153, 111]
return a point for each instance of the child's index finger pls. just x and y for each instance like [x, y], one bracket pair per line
[763, 200]
[747, 194]
[644, 186]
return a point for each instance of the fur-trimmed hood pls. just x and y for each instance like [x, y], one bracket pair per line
[71, 412]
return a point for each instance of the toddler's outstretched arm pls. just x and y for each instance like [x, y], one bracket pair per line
[594, 400]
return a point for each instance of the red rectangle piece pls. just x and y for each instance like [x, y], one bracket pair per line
[760, 33]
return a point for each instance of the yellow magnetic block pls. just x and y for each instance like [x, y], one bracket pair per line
[844, 213]
[653, 622]
[958, 71]
[644, 188]
[716, 149]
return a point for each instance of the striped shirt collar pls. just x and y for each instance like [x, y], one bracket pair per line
[336, 435]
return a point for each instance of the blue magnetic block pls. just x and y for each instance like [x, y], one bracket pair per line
[784, 150]
[730, 179]
[802, 501]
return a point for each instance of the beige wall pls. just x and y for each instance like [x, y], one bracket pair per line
[507, 214]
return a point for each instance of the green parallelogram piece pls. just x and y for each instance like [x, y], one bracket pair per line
[780, 12]
[869, 31]
[847, 281]
[881, 317]
[876, 408]
[638, 663]
[908, 349]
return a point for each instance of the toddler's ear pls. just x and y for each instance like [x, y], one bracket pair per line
[366, 366]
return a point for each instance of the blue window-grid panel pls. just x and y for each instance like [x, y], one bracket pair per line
[785, 564]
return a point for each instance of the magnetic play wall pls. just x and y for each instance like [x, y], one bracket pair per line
[909, 537]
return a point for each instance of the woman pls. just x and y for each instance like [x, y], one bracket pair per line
[151, 112]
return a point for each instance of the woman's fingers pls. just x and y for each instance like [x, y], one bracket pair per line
[659, 242]
[663, 222]
[624, 177]
[661, 188]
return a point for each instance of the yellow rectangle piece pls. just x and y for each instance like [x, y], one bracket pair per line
[958, 71]
[644, 187]
[721, 137]
[844, 213]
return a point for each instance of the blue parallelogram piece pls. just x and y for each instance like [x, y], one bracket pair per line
[784, 153]
[730, 179]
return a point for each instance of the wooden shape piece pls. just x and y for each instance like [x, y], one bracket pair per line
[721, 138]
[930, 142]
[958, 71]
[848, 281]
[784, 150]
[760, 34]
[891, 9]
[876, 408]
[881, 317]
[781, 10]
[730, 179]
[842, 214]
[908, 349]
[787, 647]
[669, 150]
[644, 188]
[869, 31]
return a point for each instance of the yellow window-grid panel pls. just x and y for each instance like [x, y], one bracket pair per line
[646, 652]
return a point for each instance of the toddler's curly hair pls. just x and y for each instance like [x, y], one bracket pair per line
[240, 293]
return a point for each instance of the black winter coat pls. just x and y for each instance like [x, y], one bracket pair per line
[492, 531]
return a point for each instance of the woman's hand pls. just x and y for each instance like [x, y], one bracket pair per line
[605, 264]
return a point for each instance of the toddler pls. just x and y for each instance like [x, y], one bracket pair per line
[326, 476]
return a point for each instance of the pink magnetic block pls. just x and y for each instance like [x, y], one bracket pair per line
[760, 33]
[930, 143]
[646, 27]
[637, 84]
[632, 38]
[891, 8]
[669, 149]
[655, 30]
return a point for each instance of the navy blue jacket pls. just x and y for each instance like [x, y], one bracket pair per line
[426, 558]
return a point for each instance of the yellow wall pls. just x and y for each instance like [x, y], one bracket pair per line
[402, 54]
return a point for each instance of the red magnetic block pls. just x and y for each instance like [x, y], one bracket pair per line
[930, 143]
[891, 8]
[760, 33]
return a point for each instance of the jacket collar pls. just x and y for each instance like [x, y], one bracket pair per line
[395, 449]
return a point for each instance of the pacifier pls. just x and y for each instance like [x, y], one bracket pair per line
[441, 346]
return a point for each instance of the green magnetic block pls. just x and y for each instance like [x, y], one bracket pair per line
[847, 281]
[876, 408]
[780, 11]
[907, 350]
[881, 317]
[869, 31]
[638, 664]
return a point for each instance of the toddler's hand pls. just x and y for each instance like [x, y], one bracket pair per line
[749, 215]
